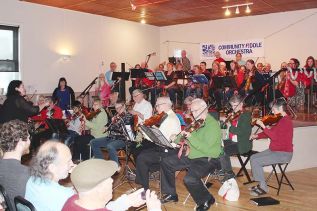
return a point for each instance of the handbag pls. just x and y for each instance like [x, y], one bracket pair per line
[229, 190]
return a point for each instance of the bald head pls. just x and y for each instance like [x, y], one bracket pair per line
[52, 161]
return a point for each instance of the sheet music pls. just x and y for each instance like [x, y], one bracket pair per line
[156, 136]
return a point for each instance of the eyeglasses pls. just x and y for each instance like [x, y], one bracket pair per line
[193, 111]
[135, 95]
[157, 105]
[119, 107]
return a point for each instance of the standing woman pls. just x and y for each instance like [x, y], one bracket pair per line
[16, 106]
[103, 90]
[64, 94]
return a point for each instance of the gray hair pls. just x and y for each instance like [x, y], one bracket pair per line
[165, 100]
[46, 155]
[201, 103]
[137, 91]
[235, 99]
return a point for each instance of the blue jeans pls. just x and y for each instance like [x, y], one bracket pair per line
[110, 144]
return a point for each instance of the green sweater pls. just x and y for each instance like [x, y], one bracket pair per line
[97, 124]
[243, 132]
[206, 141]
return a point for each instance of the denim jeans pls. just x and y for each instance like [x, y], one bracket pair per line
[110, 144]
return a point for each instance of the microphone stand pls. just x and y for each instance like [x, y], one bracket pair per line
[87, 89]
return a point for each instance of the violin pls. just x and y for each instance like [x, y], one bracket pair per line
[155, 120]
[194, 126]
[231, 116]
[269, 119]
[92, 114]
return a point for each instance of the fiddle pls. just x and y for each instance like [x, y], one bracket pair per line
[269, 119]
[194, 126]
[155, 120]
[230, 117]
[92, 114]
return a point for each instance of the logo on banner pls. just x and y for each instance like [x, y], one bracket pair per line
[208, 50]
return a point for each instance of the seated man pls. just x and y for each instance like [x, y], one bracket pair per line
[204, 149]
[52, 163]
[149, 159]
[238, 134]
[15, 142]
[280, 149]
[116, 137]
[95, 190]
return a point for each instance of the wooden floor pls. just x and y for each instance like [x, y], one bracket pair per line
[303, 198]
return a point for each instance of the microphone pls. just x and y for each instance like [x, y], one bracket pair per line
[152, 54]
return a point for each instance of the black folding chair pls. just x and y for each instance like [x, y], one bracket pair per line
[243, 165]
[4, 200]
[21, 204]
[282, 167]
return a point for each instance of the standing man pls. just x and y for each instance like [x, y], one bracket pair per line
[185, 61]
[204, 150]
[108, 74]
[52, 163]
[14, 142]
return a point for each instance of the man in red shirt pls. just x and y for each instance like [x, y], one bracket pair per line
[280, 148]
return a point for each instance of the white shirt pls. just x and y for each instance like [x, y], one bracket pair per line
[145, 108]
[171, 125]
[74, 125]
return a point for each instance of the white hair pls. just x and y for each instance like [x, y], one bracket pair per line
[165, 100]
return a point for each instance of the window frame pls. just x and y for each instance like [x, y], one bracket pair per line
[15, 30]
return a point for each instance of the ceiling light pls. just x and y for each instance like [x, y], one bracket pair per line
[143, 21]
[133, 7]
[227, 13]
[247, 10]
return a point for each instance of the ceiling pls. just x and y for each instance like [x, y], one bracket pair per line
[171, 12]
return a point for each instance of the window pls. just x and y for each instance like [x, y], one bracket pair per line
[9, 49]
[9, 55]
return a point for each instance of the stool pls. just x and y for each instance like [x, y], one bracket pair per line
[243, 165]
[279, 180]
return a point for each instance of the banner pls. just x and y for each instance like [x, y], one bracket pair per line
[228, 50]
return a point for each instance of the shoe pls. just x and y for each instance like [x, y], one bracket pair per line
[227, 176]
[130, 175]
[206, 205]
[169, 198]
[154, 176]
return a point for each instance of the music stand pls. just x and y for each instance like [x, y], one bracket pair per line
[57, 126]
[127, 132]
[200, 79]
[155, 76]
[156, 136]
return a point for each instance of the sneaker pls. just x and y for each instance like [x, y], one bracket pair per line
[154, 175]
[131, 175]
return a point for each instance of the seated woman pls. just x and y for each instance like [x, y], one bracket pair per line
[280, 149]
[239, 131]
[115, 138]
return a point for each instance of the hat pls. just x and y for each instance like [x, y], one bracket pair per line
[91, 172]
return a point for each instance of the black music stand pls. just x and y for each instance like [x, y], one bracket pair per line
[129, 139]
[117, 77]
[155, 76]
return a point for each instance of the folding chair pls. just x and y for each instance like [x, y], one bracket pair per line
[279, 180]
[21, 204]
[243, 165]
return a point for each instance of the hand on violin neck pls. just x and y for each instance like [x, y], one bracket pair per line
[186, 134]
[260, 123]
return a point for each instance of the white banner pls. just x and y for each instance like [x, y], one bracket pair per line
[228, 50]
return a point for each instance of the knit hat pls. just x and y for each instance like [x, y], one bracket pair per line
[90, 173]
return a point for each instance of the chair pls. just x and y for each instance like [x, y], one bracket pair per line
[282, 167]
[4, 200]
[243, 165]
[21, 204]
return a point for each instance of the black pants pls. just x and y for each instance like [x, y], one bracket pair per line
[230, 148]
[197, 168]
[149, 161]
[40, 137]
[81, 147]
[135, 149]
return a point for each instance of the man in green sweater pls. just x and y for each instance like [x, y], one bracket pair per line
[202, 158]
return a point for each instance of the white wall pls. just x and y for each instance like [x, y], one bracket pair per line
[46, 32]
[286, 35]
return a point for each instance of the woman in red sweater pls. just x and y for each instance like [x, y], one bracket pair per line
[280, 148]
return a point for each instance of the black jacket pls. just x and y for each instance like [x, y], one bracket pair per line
[16, 107]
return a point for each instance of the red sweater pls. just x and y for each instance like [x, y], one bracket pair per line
[281, 135]
[70, 205]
